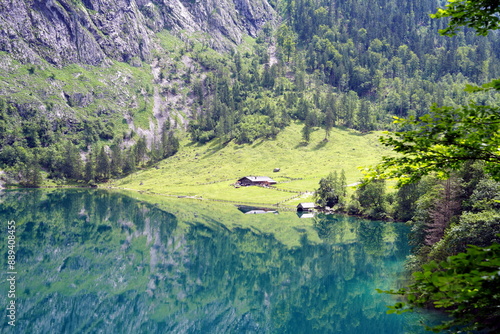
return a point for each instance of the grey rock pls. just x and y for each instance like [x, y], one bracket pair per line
[94, 31]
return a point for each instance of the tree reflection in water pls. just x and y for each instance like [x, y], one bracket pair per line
[94, 261]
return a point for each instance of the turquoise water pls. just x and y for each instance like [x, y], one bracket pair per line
[103, 262]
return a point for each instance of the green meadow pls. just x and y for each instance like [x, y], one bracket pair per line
[209, 171]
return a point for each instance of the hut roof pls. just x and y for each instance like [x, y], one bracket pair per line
[306, 206]
[257, 179]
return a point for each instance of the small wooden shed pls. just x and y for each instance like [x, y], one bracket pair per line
[306, 207]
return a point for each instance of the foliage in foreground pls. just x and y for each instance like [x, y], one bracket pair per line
[480, 15]
[466, 285]
[444, 140]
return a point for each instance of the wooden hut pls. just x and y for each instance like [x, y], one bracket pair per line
[256, 181]
[306, 207]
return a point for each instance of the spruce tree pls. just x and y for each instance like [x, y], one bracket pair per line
[72, 164]
[116, 159]
[103, 167]
[129, 162]
[329, 122]
[141, 150]
[89, 169]
[306, 132]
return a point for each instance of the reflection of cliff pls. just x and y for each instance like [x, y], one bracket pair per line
[102, 262]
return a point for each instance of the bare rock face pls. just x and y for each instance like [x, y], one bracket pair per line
[62, 32]
[223, 19]
[91, 31]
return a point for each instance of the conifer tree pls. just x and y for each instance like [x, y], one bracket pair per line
[129, 165]
[329, 122]
[103, 167]
[306, 132]
[89, 169]
[445, 208]
[116, 159]
[140, 150]
[30, 173]
[72, 163]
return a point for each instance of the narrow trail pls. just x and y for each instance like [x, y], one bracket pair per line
[272, 54]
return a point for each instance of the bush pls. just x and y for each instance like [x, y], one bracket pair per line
[354, 208]
[252, 127]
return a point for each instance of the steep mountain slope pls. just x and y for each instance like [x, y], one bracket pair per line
[89, 31]
[47, 48]
[92, 71]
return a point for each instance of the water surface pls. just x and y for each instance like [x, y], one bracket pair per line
[92, 261]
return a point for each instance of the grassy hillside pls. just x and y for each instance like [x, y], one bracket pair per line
[208, 171]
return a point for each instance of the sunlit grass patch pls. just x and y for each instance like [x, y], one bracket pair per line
[207, 171]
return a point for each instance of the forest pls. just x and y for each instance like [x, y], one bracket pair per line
[338, 64]
[455, 222]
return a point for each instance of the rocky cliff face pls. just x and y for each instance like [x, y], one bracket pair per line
[91, 31]
[222, 19]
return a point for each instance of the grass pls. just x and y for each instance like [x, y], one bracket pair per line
[114, 89]
[207, 171]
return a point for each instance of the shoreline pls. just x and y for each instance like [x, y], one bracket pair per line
[283, 207]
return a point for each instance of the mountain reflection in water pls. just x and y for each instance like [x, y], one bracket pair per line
[92, 261]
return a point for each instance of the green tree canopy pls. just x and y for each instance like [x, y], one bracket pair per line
[332, 190]
[103, 166]
[481, 15]
[442, 141]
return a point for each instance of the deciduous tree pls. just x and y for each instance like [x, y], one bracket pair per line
[332, 190]
[442, 141]
[481, 15]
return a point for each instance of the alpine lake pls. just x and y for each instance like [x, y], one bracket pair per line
[98, 261]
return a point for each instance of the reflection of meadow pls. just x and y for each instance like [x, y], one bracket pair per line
[94, 261]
